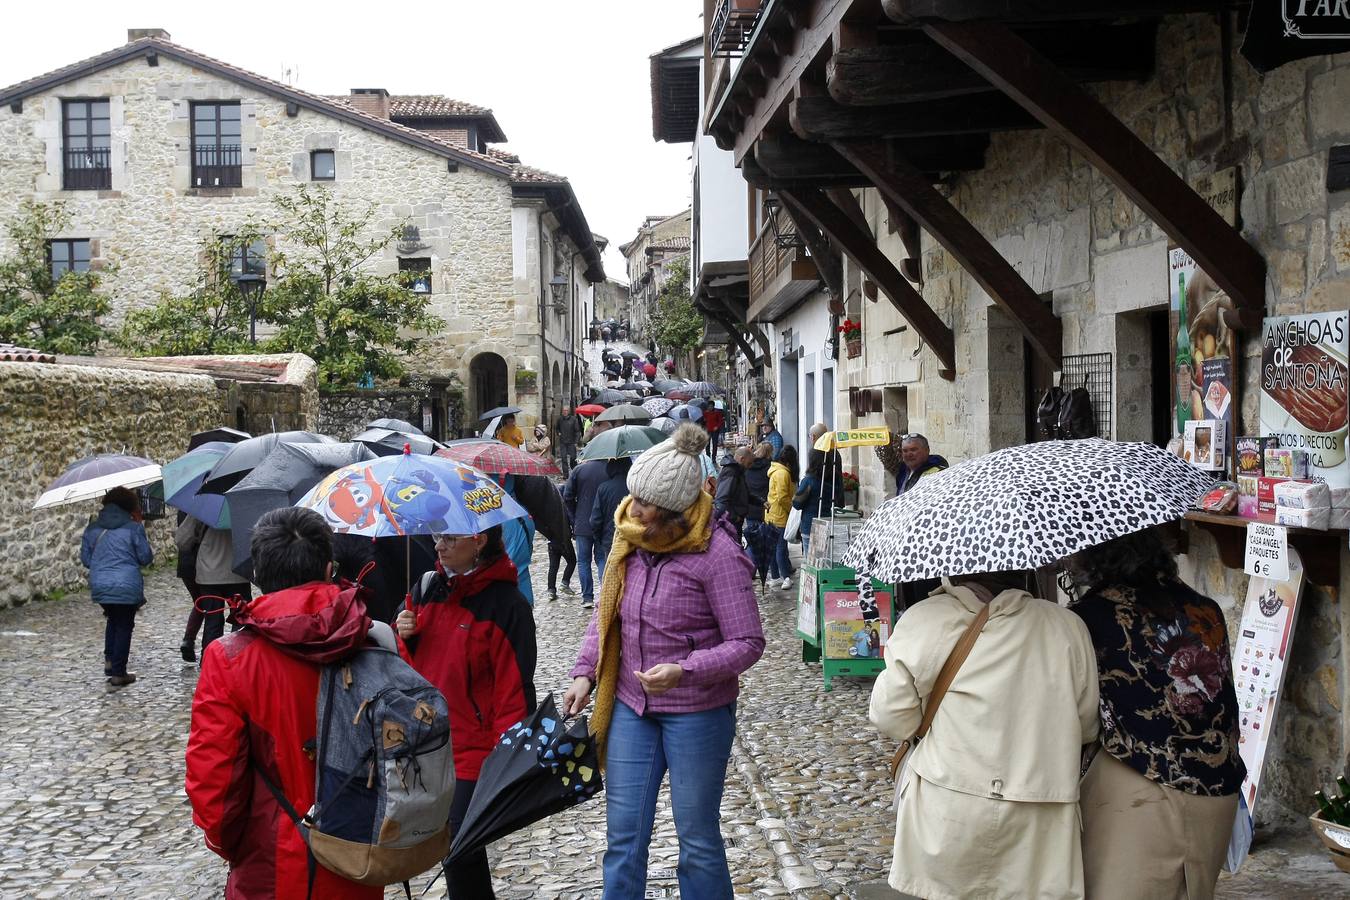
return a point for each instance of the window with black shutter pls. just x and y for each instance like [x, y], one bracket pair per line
[217, 151]
[86, 146]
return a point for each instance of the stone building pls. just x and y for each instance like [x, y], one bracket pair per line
[153, 147]
[992, 190]
[660, 241]
[611, 301]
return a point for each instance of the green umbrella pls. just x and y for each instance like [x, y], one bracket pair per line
[623, 441]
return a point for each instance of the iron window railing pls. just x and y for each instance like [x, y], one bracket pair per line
[87, 169]
[217, 165]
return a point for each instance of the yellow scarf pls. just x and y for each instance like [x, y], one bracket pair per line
[629, 535]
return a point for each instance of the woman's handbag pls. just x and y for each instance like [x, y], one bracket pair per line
[793, 526]
[946, 675]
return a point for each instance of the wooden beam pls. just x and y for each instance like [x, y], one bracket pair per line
[788, 158]
[1025, 75]
[910, 12]
[921, 70]
[907, 187]
[844, 199]
[897, 220]
[860, 246]
[827, 259]
[822, 119]
[735, 333]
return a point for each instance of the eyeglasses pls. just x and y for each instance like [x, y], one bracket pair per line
[450, 539]
[913, 436]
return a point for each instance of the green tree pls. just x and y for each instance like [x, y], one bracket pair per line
[57, 315]
[677, 325]
[212, 318]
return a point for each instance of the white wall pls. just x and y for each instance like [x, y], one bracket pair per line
[810, 324]
[722, 202]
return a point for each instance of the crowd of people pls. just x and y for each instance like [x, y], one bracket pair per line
[1091, 750]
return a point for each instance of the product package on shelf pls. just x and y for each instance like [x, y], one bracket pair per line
[1205, 443]
[1302, 495]
[1247, 498]
[1318, 518]
[1265, 494]
[1286, 462]
[1248, 451]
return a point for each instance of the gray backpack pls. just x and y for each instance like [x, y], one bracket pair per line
[385, 773]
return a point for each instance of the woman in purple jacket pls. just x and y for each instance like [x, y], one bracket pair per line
[676, 624]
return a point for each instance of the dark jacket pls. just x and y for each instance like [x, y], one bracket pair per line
[569, 429]
[757, 483]
[906, 479]
[114, 549]
[579, 494]
[254, 709]
[607, 499]
[733, 496]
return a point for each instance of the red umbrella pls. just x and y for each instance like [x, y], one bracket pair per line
[590, 409]
[649, 370]
[497, 458]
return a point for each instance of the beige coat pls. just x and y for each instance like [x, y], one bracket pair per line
[989, 805]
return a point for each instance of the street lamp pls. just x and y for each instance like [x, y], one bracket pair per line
[248, 271]
[784, 232]
[558, 285]
[251, 287]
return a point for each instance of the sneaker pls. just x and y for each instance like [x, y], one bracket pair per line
[122, 680]
[569, 590]
[188, 650]
[552, 596]
[587, 603]
[787, 583]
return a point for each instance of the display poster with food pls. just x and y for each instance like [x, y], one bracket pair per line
[1204, 348]
[808, 624]
[1260, 657]
[1304, 384]
[847, 634]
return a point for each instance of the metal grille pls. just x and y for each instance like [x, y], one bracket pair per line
[1091, 371]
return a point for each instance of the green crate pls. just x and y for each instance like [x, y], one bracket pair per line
[811, 621]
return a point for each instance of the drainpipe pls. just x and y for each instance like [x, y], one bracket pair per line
[543, 292]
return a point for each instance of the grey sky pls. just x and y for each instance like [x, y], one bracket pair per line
[569, 82]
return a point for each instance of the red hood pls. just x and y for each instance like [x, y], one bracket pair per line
[317, 622]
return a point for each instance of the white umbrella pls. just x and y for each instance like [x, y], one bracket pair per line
[94, 476]
[1024, 507]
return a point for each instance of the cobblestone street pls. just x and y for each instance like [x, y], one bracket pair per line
[91, 778]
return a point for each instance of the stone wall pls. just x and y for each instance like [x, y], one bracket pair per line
[345, 413]
[1081, 243]
[56, 414]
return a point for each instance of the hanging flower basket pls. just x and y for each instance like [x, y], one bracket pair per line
[851, 332]
[854, 348]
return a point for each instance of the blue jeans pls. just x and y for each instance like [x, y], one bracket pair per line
[781, 557]
[695, 748]
[586, 552]
[776, 549]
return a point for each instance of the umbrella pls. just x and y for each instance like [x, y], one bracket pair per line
[610, 396]
[282, 478]
[243, 456]
[625, 440]
[497, 458]
[649, 370]
[387, 442]
[625, 412]
[667, 384]
[395, 496]
[703, 389]
[657, 406]
[183, 479]
[680, 394]
[590, 409]
[540, 766]
[632, 386]
[1024, 507]
[400, 425]
[499, 411]
[94, 476]
[544, 503]
[699, 403]
[685, 413]
[666, 424]
[629, 354]
[225, 435]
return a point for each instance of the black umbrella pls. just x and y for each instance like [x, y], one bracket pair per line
[246, 455]
[228, 435]
[499, 411]
[281, 479]
[399, 425]
[610, 396]
[541, 765]
[388, 442]
[625, 413]
[667, 384]
[542, 501]
[629, 354]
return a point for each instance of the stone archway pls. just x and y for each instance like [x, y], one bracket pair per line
[561, 392]
[487, 386]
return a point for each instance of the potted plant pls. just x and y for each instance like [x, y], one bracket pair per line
[527, 381]
[851, 332]
[850, 485]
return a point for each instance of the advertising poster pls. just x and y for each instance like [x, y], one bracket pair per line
[1304, 384]
[1260, 656]
[1204, 342]
[847, 636]
[808, 624]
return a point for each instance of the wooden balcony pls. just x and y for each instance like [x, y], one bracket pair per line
[779, 277]
[733, 21]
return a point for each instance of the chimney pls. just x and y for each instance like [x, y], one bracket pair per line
[373, 101]
[135, 34]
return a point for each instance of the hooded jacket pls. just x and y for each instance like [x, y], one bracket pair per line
[733, 495]
[579, 494]
[780, 495]
[607, 499]
[906, 478]
[757, 483]
[113, 549]
[475, 642]
[255, 708]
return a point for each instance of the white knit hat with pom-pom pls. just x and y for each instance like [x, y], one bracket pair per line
[670, 475]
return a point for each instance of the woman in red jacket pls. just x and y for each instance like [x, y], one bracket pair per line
[471, 634]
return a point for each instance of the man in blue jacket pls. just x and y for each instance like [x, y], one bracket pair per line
[919, 461]
[607, 499]
[579, 495]
[114, 549]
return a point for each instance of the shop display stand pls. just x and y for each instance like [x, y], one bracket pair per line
[1320, 550]
[815, 584]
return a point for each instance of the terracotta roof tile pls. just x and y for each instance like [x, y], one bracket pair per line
[432, 106]
[11, 353]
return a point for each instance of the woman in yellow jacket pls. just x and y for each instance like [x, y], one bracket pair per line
[776, 510]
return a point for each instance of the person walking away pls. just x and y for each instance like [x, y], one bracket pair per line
[217, 582]
[607, 499]
[714, 422]
[1159, 799]
[187, 537]
[579, 496]
[518, 537]
[769, 432]
[604, 334]
[569, 430]
[776, 511]
[733, 494]
[558, 552]
[254, 712]
[508, 432]
[917, 461]
[808, 497]
[988, 800]
[677, 625]
[114, 549]
[541, 446]
[471, 634]
[757, 538]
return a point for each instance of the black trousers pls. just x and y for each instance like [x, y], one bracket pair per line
[470, 878]
[117, 636]
[568, 457]
[213, 607]
[556, 554]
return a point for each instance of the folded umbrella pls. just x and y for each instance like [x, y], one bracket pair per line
[625, 412]
[223, 435]
[243, 456]
[540, 766]
[183, 479]
[495, 412]
[625, 440]
[94, 476]
[657, 406]
[497, 458]
[1024, 507]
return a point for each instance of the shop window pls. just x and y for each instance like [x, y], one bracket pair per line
[322, 165]
[67, 256]
[420, 279]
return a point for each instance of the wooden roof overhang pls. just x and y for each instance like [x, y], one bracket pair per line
[898, 94]
[722, 294]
